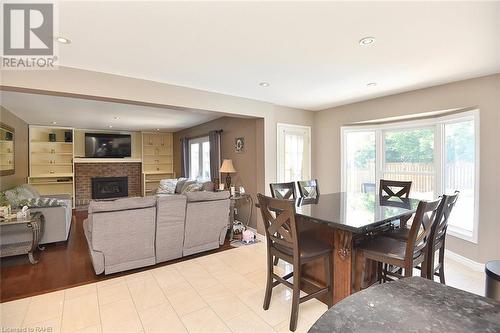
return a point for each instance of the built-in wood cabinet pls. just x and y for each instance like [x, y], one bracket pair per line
[6, 154]
[157, 159]
[51, 159]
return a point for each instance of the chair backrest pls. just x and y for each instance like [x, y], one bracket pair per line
[447, 203]
[424, 220]
[283, 190]
[308, 188]
[279, 224]
[395, 188]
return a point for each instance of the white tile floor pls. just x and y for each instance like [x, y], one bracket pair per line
[222, 292]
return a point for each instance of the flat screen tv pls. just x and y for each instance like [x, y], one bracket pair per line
[105, 145]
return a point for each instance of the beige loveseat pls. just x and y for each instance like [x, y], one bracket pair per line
[57, 218]
[134, 232]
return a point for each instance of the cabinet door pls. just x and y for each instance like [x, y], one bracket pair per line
[148, 139]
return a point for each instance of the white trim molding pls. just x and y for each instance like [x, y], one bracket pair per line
[474, 265]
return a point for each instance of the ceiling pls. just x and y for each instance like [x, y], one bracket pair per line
[307, 51]
[89, 114]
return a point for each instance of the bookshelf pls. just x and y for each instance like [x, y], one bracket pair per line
[51, 160]
[157, 160]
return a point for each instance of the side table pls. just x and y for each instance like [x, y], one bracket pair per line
[235, 198]
[33, 223]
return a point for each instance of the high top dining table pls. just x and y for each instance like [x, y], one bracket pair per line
[343, 219]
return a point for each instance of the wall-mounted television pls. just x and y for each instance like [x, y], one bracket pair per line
[105, 145]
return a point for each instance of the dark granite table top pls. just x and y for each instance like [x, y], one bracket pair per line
[355, 212]
[411, 305]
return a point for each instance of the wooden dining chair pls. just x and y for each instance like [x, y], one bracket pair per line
[395, 188]
[399, 253]
[308, 188]
[285, 242]
[438, 237]
[283, 190]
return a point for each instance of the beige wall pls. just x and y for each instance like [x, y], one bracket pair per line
[20, 150]
[483, 93]
[245, 163]
[94, 85]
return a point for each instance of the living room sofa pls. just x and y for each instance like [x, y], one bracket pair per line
[135, 232]
[57, 223]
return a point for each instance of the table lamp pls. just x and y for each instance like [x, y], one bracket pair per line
[227, 168]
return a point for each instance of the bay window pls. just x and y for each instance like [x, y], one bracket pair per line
[438, 155]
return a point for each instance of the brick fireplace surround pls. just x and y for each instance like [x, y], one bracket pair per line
[84, 172]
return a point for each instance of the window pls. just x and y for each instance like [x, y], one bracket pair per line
[409, 155]
[360, 161]
[294, 147]
[438, 155]
[199, 158]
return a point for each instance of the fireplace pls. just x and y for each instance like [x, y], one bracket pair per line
[109, 187]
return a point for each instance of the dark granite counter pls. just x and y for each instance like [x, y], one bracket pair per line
[411, 305]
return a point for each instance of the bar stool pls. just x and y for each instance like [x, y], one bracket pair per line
[286, 243]
[403, 254]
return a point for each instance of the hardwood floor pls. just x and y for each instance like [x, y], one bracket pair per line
[62, 265]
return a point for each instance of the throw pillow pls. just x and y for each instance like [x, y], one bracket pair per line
[167, 186]
[186, 184]
[42, 202]
[180, 184]
[194, 187]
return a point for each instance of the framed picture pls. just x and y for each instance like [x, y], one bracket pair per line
[239, 145]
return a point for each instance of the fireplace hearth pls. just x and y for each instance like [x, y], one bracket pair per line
[109, 187]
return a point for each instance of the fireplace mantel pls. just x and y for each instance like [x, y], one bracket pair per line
[106, 160]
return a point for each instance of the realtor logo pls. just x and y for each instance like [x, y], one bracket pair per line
[28, 36]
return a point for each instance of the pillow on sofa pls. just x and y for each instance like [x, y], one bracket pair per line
[18, 195]
[167, 186]
[208, 186]
[31, 190]
[192, 187]
[180, 183]
[42, 202]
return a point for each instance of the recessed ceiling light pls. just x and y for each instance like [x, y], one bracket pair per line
[264, 84]
[63, 40]
[371, 84]
[110, 126]
[366, 41]
[53, 122]
[116, 118]
[157, 129]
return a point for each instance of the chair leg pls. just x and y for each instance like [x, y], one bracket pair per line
[329, 280]
[269, 283]
[441, 267]
[380, 272]
[275, 262]
[295, 297]
[408, 271]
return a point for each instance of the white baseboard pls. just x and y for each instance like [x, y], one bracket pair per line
[476, 266]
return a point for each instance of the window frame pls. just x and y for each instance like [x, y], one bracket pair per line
[438, 123]
[199, 141]
[280, 149]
